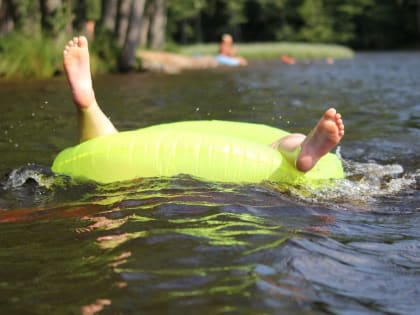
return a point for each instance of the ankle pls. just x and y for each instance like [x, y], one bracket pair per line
[87, 107]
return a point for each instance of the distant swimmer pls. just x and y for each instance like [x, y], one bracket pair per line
[286, 59]
[227, 53]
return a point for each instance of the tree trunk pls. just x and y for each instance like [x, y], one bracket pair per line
[418, 18]
[158, 25]
[199, 29]
[145, 24]
[144, 31]
[15, 12]
[68, 15]
[6, 19]
[123, 20]
[109, 15]
[128, 54]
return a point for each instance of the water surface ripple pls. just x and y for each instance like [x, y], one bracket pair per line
[173, 245]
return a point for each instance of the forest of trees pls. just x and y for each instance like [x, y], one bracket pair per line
[121, 26]
[360, 24]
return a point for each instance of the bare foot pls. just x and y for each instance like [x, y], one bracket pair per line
[325, 136]
[77, 68]
[92, 121]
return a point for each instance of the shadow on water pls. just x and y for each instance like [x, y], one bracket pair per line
[168, 245]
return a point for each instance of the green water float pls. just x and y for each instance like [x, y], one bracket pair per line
[219, 151]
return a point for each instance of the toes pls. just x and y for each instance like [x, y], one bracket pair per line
[66, 49]
[330, 113]
[76, 42]
[69, 45]
[82, 42]
[340, 126]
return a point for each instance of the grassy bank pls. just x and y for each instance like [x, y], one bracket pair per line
[275, 50]
[22, 56]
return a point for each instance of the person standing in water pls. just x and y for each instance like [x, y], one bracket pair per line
[300, 150]
[227, 53]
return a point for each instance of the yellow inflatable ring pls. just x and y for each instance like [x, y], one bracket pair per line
[211, 150]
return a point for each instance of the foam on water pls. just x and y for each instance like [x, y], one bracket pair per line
[18, 177]
[363, 185]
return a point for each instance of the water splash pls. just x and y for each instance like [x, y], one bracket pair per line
[363, 186]
[41, 176]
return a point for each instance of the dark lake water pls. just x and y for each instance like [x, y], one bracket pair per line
[181, 245]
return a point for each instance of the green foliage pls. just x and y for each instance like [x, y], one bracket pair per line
[279, 14]
[318, 24]
[236, 12]
[183, 17]
[39, 56]
[185, 9]
[57, 20]
[24, 56]
[26, 14]
[359, 23]
[104, 51]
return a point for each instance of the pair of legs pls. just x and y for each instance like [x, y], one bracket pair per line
[302, 151]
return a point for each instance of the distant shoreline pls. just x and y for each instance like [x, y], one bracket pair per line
[23, 57]
[273, 50]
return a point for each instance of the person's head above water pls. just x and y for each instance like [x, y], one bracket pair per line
[227, 38]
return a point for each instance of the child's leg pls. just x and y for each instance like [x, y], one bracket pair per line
[305, 152]
[92, 121]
